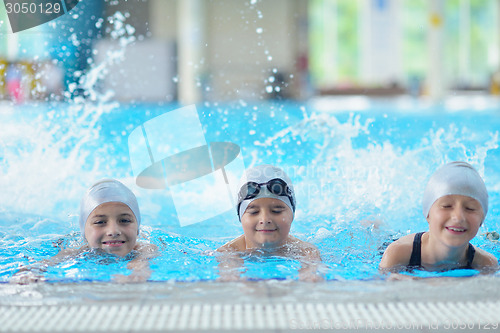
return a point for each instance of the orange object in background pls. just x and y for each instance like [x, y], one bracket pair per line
[3, 85]
[495, 84]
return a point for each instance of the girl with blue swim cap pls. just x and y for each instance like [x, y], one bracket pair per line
[109, 222]
[455, 204]
[266, 207]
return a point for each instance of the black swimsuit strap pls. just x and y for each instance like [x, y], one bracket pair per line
[416, 257]
[416, 254]
[470, 256]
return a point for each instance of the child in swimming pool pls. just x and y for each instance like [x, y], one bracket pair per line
[266, 207]
[109, 222]
[455, 204]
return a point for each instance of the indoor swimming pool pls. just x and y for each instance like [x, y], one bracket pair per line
[359, 167]
[358, 174]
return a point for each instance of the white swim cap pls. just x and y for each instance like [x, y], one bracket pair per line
[457, 178]
[107, 190]
[262, 175]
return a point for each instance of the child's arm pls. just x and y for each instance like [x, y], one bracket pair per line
[229, 259]
[34, 272]
[309, 268]
[310, 260]
[229, 266]
[140, 265]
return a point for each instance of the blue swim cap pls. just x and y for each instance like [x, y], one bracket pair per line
[457, 178]
[107, 190]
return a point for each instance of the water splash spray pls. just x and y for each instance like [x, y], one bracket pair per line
[381, 181]
[50, 154]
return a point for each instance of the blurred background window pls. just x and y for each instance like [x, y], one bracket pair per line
[471, 47]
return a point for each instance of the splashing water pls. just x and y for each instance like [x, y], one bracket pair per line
[344, 179]
[43, 147]
[359, 179]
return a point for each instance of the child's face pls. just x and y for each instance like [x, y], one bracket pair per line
[113, 228]
[455, 219]
[266, 223]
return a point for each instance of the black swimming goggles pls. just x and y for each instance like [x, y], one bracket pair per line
[276, 186]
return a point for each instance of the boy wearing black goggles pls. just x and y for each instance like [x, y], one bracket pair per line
[275, 186]
[266, 206]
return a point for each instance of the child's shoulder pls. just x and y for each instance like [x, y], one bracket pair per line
[483, 259]
[237, 244]
[298, 242]
[146, 249]
[306, 249]
[404, 244]
[398, 253]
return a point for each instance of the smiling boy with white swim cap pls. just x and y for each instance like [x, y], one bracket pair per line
[455, 204]
[266, 207]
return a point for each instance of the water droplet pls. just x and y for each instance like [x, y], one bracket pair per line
[269, 58]
[271, 79]
[269, 89]
[130, 29]
[259, 30]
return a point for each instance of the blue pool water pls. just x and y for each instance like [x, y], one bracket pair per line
[359, 175]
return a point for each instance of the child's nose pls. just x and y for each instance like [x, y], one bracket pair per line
[458, 213]
[113, 229]
[265, 218]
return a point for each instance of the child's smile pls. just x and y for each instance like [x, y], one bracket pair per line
[267, 230]
[114, 243]
[455, 230]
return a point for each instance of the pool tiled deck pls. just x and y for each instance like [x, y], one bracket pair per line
[427, 305]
